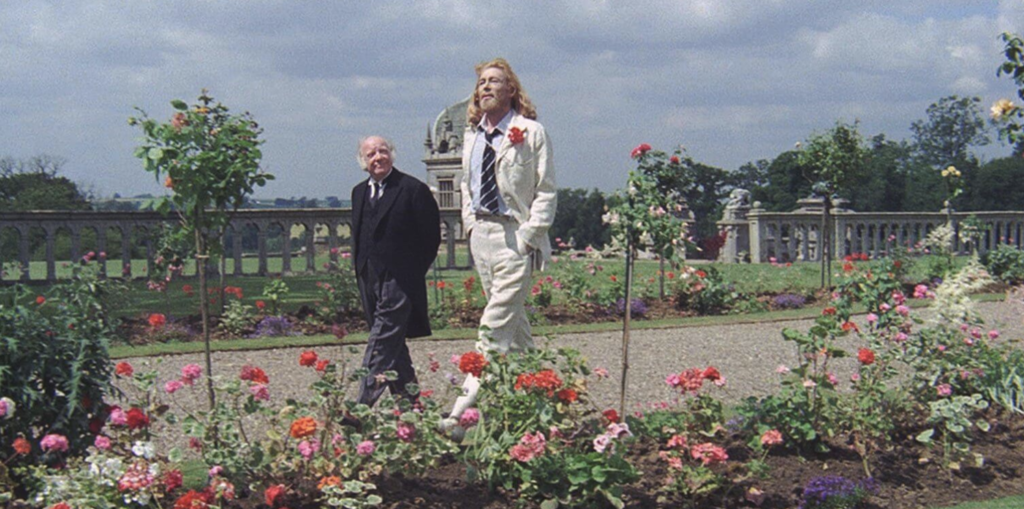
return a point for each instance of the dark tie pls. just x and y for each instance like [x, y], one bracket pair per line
[374, 193]
[488, 182]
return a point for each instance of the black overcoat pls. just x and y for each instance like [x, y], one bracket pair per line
[406, 235]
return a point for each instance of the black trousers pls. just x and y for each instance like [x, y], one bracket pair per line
[387, 310]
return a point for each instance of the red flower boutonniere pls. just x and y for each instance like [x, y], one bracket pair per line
[516, 135]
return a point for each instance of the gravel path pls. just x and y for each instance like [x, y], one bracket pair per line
[747, 355]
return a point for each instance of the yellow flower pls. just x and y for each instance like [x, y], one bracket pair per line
[202, 110]
[951, 172]
[1001, 108]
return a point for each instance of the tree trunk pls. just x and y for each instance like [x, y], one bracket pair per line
[204, 301]
[625, 326]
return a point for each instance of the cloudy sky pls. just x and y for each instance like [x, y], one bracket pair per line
[732, 81]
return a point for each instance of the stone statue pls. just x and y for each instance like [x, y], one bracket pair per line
[738, 198]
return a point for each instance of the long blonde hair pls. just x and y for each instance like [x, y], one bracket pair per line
[520, 101]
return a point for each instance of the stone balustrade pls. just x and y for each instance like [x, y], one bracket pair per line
[141, 225]
[794, 236]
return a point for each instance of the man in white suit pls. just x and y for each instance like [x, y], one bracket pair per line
[508, 205]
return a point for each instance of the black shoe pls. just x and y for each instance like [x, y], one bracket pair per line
[352, 422]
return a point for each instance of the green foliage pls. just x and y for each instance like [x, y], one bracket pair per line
[54, 361]
[1005, 263]
[953, 428]
[339, 295]
[237, 317]
[579, 218]
[835, 158]
[704, 290]
[539, 398]
[273, 293]
[1003, 381]
[954, 125]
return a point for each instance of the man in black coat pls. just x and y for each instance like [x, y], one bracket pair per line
[396, 230]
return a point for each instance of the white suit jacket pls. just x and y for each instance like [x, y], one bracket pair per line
[526, 180]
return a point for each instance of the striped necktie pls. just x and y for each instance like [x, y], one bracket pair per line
[488, 181]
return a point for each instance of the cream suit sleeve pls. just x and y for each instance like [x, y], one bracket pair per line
[545, 200]
[468, 219]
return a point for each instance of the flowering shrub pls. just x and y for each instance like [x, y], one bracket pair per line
[1005, 263]
[536, 435]
[704, 291]
[54, 367]
[339, 295]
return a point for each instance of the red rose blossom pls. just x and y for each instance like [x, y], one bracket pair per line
[611, 415]
[567, 395]
[308, 358]
[711, 373]
[254, 374]
[866, 356]
[640, 150]
[124, 369]
[272, 493]
[137, 419]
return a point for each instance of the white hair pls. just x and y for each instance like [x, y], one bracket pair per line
[359, 149]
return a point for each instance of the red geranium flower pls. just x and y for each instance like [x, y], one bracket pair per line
[321, 365]
[711, 373]
[187, 289]
[260, 305]
[472, 363]
[611, 415]
[157, 320]
[40, 300]
[674, 159]
[124, 369]
[866, 356]
[850, 326]
[701, 274]
[22, 446]
[847, 267]
[254, 374]
[515, 135]
[173, 480]
[829, 311]
[308, 358]
[194, 500]
[567, 395]
[272, 493]
[137, 419]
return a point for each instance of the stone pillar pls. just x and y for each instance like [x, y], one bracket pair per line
[51, 263]
[76, 245]
[449, 243]
[126, 251]
[236, 248]
[286, 250]
[737, 240]
[754, 231]
[101, 249]
[310, 247]
[261, 248]
[23, 252]
[332, 241]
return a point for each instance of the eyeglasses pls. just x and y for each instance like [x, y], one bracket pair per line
[492, 80]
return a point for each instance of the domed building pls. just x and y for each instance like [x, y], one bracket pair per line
[443, 154]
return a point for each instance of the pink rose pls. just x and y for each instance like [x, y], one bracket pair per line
[260, 392]
[944, 390]
[118, 417]
[993, 334]
[469, 418]
[54, 442]
[190, 373]
[172, 386]
[872, 318]
[102, 443]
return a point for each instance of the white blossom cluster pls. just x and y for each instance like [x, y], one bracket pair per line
[952, 298]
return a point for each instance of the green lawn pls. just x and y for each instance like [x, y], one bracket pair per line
[1015, 502]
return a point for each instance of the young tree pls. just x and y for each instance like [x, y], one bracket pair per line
[210, 160]
[832, 161]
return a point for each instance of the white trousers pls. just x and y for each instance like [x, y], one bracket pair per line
[505, 275]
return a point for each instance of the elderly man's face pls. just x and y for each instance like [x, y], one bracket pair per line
[493, 91]
[377, 155]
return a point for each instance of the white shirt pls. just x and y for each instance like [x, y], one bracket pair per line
[476, 160]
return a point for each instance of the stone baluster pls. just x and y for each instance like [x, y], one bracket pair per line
[51, 263]
[310, 247]
[236, 248]
[126, 250]
[261, 248]
[286, 248]
[23, 252]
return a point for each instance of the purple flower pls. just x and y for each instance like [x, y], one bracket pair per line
[273, 326]
[789, 301]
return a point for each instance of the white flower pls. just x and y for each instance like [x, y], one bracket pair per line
[7, 407]
[610, 218]
[1001, 108]
[144, 450]
[646, 239]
